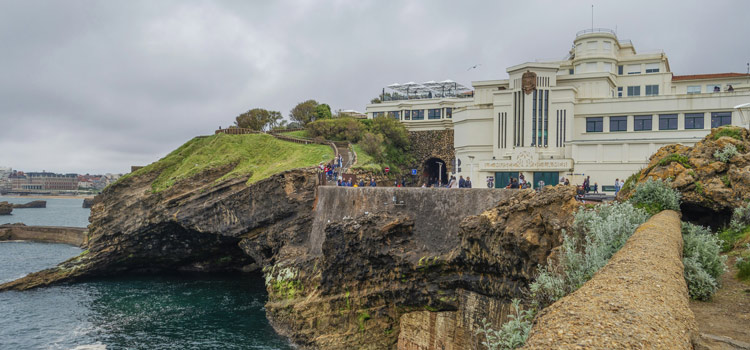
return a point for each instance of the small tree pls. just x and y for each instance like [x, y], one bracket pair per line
[304, 112]
[323, 111]
[373, 145]
[258, 119]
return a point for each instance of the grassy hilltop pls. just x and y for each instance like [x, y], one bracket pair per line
[257, 154]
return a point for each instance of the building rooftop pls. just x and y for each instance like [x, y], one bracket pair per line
[708, 76]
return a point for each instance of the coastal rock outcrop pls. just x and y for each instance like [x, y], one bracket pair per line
[6, 208]
[370, 280]
[712, 184]
[87, 203]
[32, 204]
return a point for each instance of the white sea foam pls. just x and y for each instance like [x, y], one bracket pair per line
[97, 346]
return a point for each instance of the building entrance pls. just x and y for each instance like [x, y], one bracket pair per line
[549, 178]
[434, 172]
[502, 179]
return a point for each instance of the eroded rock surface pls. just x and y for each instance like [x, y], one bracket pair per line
[710, 187]
[32, 204]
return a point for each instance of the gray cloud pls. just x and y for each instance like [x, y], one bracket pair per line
[98, 86]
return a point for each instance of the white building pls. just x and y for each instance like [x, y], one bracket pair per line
[601, 113]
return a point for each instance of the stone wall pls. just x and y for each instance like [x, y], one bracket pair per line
[639, 300]
[432, 144]
[437, 212]
[50, 234]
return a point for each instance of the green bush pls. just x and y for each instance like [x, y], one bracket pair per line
[340, 129]
[739, 228]
[731, 131]
[675, 157]
[726, 153]
[372, 144]
[655, 196]
[512, 334]
[704, 264]
[597, 235]
[743, 268]
[630, 182]
[701, 285]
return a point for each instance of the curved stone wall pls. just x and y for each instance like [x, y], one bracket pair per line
[639, 300]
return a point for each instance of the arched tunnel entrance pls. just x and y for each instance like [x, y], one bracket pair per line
[434, 172]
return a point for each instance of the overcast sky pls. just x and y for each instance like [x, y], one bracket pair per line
[98, 86]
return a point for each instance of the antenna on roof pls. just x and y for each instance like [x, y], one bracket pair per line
[592, 17]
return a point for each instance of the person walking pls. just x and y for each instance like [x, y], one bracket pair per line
[622, 183]
[461, 182]
[587, 184]
[467, 184]
[617, 186]
[372, 182]
[596, 187]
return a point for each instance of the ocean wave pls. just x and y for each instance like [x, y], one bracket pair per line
[96, 346]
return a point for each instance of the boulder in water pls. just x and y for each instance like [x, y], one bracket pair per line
[5, 208]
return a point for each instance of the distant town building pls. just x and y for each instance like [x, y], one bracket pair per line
[42, 182]
[602, 111]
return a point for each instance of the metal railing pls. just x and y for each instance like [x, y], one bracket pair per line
[596, 30]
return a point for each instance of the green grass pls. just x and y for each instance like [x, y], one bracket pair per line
[365, 161]
[731, 131]
[730, 237]
[256, 154]
[302, 134]
[674, 157]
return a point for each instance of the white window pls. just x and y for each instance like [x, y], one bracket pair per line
[590, 67]
[634, 69]
[694, 89]
[607, 67]
[652, 67]
[607, 46]
[591, 45]
[713, 88]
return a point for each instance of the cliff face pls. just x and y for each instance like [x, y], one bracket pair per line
[380, 284]
[350, 269]
[195, 225]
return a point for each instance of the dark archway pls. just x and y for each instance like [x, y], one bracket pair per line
[703, 216]
[434, 170]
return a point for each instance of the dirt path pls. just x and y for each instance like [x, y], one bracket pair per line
[726, 315]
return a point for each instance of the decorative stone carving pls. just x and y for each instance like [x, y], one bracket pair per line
[528, 82]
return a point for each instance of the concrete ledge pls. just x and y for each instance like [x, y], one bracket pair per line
[49, 234]
[639, 300]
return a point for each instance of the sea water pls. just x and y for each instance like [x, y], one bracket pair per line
[125, 312]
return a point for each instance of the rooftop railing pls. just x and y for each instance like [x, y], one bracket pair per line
[596, 30]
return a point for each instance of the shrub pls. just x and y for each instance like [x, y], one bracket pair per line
[701, 285]
[655, 196]
[630, 182]
[597, 235]
[512, 334]
[731, 131]
[340, 129]
[373, 145]
[702, 259]
[725, 180]
[675, 157]
[726, 153]
[699, 188]
[743, 268]
[739, 228]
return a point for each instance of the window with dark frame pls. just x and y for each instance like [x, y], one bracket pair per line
[618, 123]
[407, 115]
[619, 70]
[417, 114]
[594, 124]
[619, 91]
[652, 90]
[667, 121]
[642, 122]
[449, 112]
[721, 118]
[433, 113]
[694, 121]
[634, 91]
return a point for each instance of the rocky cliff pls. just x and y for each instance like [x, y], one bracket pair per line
[32, 204]
[711, 187]
[377, 276]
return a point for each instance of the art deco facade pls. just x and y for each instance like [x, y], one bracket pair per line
[601, 113]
